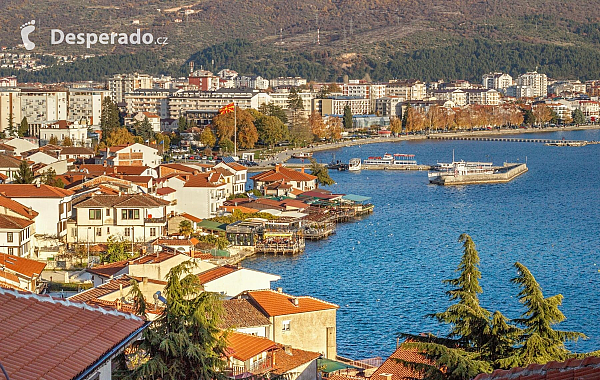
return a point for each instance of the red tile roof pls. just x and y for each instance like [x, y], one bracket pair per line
[111, 269]
[165, 190]
[235, 166]
[13, 222]
[17, 207]
[580, 369]
[102, 290]
[281, 172]
[218, 272]
[191, 217]
[244, 346]
[239, 313]
[285, 362]
[128, 200]
[205, 180]
[273, 303]
[26, 267]
[398, 370]
[33, 191]
[46, 338]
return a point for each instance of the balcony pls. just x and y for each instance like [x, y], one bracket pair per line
[256, 368]
[161, 220]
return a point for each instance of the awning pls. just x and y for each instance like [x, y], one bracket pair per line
[328, 365]
[212, 226]
[355, 198]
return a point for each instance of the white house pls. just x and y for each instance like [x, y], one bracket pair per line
[17, 226]
[153, 119]
[240, 172]
[52, 203]
[21, 145]
[42, 157]
[130, 155]
[76, 131]
[135, 217]
[232, 280]
[9, 167]
[202, 195]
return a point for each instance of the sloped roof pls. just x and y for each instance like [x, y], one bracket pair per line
[46, 338]
[102, 290]
[274, 303]
[281, 172]
[214, 273]
[240, 313]
[26, 267]
[285, 361]
[165, 190]
[111, 269]
[9, 162]
[210, 179]
[13, 222]
[33, 191]
[76, 150]
[17, 207]
[128, 200]
[191, 217]
[235, 166]
[398, 370]
[244, 346]
[580, 369]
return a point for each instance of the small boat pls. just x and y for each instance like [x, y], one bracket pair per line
[354, 165]
[302, 155]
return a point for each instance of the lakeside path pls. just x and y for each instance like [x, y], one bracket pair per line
[287, 154]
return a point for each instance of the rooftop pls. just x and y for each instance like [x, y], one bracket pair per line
[293, 358]
[34, 326]
[274, 303]
[26, 267]
[244, 346]
[33, 191]
[398, 370]
[129, 200]
[580, 369]
[240, 313]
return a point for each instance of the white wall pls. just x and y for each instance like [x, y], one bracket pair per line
[239, 281]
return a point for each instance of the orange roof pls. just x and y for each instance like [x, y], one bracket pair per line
[236, 166]
[245, 210]
[285, 362]
[398, 370]
[281, 172]
[191, 217]
[5, 275]
[14, 223]
[36, 325]
[26, 267]
[205, 180]
[111, 269]
[580, 369]
[18, 208]
[274, 303]
[213, 274]
[33, 191]
[244, 346]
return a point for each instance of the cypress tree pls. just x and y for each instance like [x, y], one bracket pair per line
[347, 117]
[109, 119]
[25, 174]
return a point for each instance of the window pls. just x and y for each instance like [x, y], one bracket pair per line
[108, 230]
[130, 213]
[11, 251]
[153, 231]
[9, 237]
[107, 212]
[95, 214]
[127, 232]
[286, 326]
[99, 231]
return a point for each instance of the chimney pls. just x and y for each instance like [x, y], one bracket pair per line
[277, 168]
[239, 265]
[121, 289]
[145, 280]
[287, 349]
[386, 376]
[38, 185]
[279, 290]
[296, 301]
[302, 169]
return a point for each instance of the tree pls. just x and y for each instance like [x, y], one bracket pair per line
[295, 102]
[271, 130]
[53, 140]
[182, 124]
[185, 341]
[49, 178]
[300, 133]
[144, 129]
[109, 119]
[334, 128]
[321, 172]
[224, 125]
[207, 137]
[347, 117]
[396, 125]
[117, 249]
[414, 120]
[24, 128]
[67, 141]
[271, 109]
[25, 174]
[247, 134]
[578, 117]
[317, 126]
[226, 144]
[541, 343]
[185, 228]
[542, 113]
[164, 139]
[119, 136]
[529, 117]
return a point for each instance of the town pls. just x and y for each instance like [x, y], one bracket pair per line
[109, 189]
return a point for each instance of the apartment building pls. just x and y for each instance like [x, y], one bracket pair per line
[538, 83]
[129, 155]
[488, 97]
[497, 81]
[155, 100]
[183, 101]
[336, 105]
[121, 84]
[10, 107]
[287, 81]
[204, 80]
[86, 103]
[40, 106]
[76, 131]
[406, 89]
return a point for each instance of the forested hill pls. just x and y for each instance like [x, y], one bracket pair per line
[383, 38]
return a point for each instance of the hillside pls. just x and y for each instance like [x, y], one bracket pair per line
[382, 38]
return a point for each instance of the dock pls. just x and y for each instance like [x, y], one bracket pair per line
[395, 167]
[502, 174]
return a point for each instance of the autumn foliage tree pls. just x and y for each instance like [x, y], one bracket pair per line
[225, 125]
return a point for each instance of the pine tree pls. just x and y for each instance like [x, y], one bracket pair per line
[67, 141]
[184, 342]
[24, 128]
[109, 119]
[25, 174]
[182, 124]
[578, 117]
[321, 172]
[53, 140]
[541, 343]
[347, 117]
[49, 178]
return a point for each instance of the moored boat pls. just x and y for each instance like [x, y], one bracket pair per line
[354, 165]
[391, 159]
[302, 155]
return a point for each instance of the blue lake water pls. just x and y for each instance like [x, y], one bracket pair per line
[385, 271]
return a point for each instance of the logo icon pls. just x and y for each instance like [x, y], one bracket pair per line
[26, 30]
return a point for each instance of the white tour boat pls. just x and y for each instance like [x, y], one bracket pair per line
[354, 165]
[392, 159]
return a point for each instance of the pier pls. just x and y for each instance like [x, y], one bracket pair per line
[503, 174]
[515, 139]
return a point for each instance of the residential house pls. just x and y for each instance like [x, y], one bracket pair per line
[75, 153]
[391, 369]
[52, 203]
[76, 131]
[240, 315]
[90, 338]
[280, 174]
[153, 119]
[202, 195]
[295, 364]
[155, 266]
[303, 322]
[21, 145]
[20, 273]
[9, 167]
[231, 280]
[249, 354]
[175, 244]
[238, 184]
[575, 368]
[130, 155]
[135, 217]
